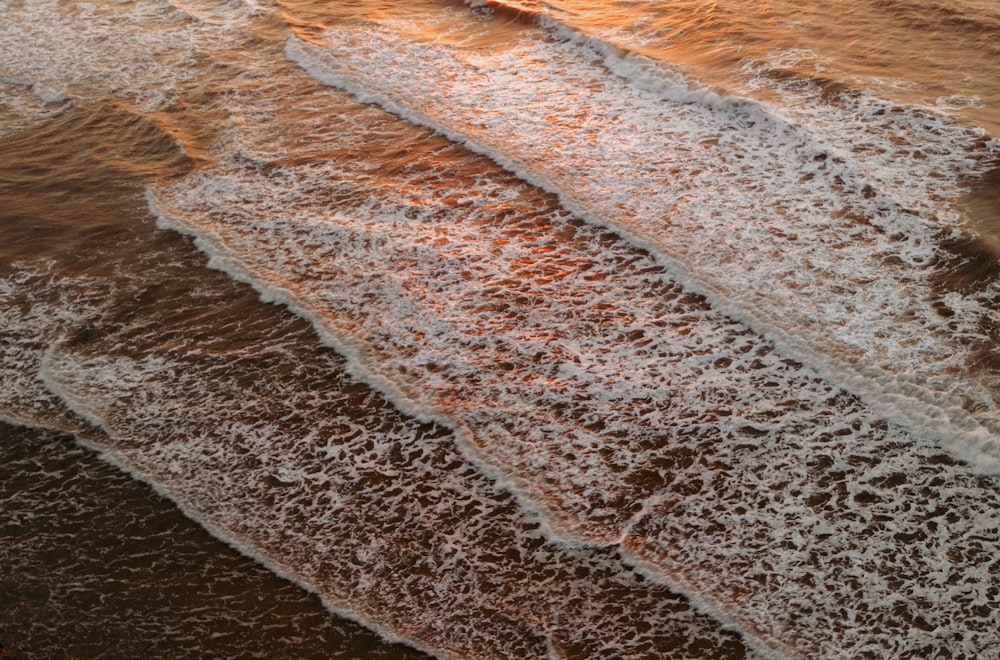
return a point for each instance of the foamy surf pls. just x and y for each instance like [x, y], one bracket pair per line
[794, 239]
[303, 484]
[537, 438]
[605, 397]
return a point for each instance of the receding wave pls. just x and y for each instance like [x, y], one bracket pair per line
[817, 244]
[622, 408]
[612, 364]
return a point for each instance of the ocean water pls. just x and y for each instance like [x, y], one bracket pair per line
[500, 330]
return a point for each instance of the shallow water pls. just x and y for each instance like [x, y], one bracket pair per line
[628, 330]
[96, 565]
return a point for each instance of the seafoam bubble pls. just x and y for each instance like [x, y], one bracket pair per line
[265, 440]
[958, 102]
[824, 252]
[22, 106]
[39, 307]
[626, 410]
[257, 433]
[623, 409]
[575, 370]
[135, 50]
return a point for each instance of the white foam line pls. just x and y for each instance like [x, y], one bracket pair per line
[953, 427]
[766, 647]
[31, 423]
[96, 439]
[356, 366]
[121, 461]
[646, 75]
[769, 647]
[44, 93]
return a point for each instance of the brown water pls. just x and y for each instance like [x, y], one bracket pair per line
[100, 281]
[627, 330]
[97, 565]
